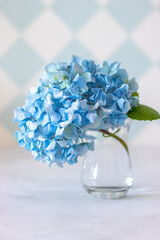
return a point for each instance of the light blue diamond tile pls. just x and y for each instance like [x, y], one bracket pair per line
[132, 58]
[129, 13]
[75, 12]
[6, 117]
[73, 48]
[21, 12]
[21, 62]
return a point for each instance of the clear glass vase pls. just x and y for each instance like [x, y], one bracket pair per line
[107, 171]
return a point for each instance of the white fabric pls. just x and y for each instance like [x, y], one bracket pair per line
[41, 203]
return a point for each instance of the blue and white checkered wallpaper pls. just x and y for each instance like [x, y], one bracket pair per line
[36, 32]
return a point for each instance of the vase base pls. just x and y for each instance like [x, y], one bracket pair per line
[108, 192]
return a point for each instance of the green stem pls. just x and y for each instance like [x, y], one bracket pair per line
[106, 132]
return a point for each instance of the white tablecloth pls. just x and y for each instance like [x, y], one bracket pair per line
[41, 203]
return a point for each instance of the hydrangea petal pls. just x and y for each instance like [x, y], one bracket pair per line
[91, 116]
[70, 100]
[51, 146]
[51, 68]
[82, 149]
[133, 85]
[70, 132]
[57, 93]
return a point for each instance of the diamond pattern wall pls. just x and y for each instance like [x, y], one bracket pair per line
[21, 13]
[21, 62]
[129, 13]
[34, 33]
[132, 58]
[75, 13]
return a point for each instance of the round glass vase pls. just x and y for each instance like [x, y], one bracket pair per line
[107, 171]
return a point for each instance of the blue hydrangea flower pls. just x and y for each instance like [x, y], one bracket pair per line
[70, 99]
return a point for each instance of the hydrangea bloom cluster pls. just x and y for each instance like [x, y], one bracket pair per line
[70, 99]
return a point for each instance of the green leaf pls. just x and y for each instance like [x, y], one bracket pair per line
[135, 94]
[143, 113]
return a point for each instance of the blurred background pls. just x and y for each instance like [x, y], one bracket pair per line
[35, 33]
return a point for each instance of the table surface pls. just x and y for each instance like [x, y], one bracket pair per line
[41, 203]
